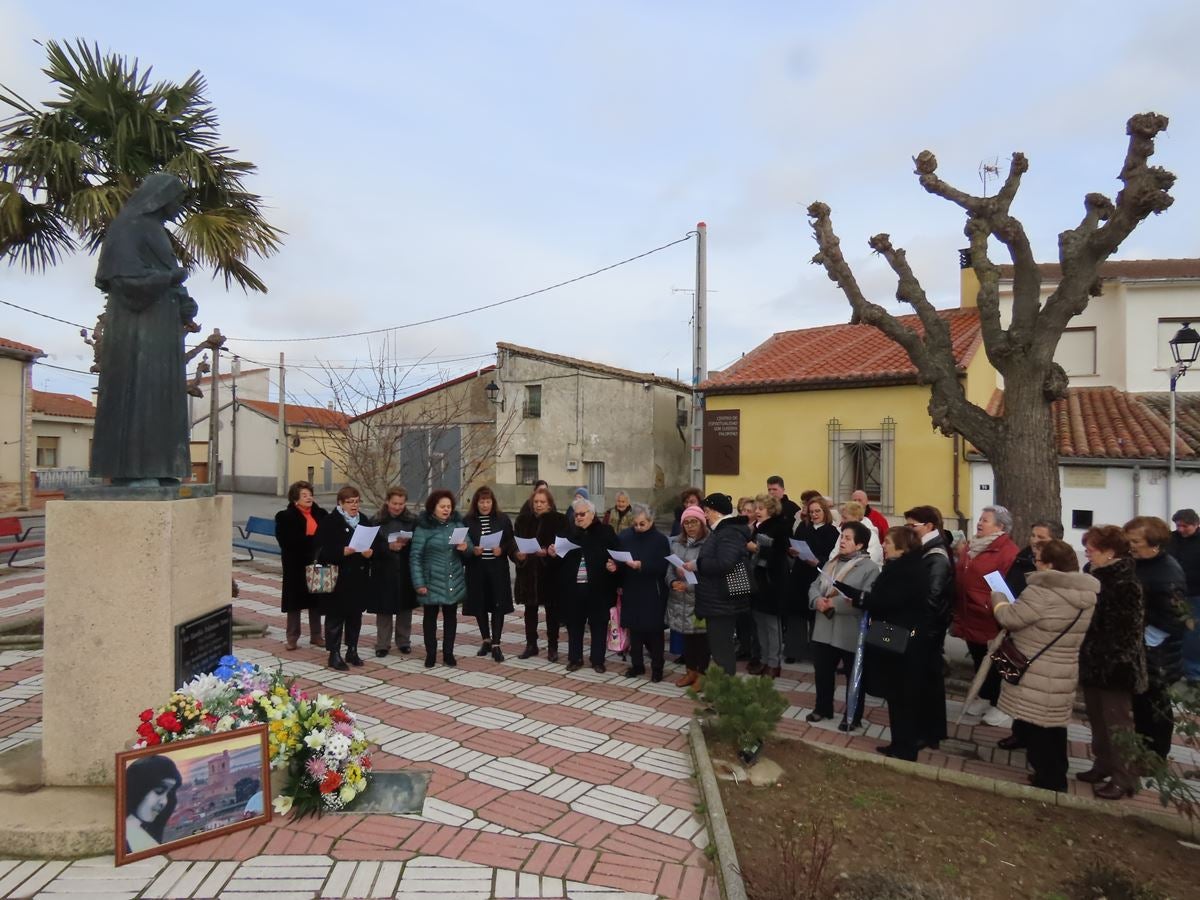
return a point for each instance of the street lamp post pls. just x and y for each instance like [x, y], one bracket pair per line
[1185, 347]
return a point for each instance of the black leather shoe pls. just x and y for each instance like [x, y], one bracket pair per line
[813, 717]
[352, 656]
[497, 655]
[574, 666]
[552, 655]
[885, 749]
[430, 660]
[449, 660]
[1012, 742]
[634, 673]
[599, 668]
[484, 649]
[656, 677]
[380, 653]
[530, 650]
[336, 662]
[406, 649]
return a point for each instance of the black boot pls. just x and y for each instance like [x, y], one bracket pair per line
[336, 661]
[484, 648]
[333, 640]
[352, 656]
[530, 650]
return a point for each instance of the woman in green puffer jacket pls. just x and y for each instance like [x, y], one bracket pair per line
[438, 574]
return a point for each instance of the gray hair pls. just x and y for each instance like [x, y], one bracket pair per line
[1002, 516]
[1055, 528]
[641, 509]
[580, 505]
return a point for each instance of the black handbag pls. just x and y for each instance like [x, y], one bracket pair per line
[1012, 664]
[737, 580]
[888, 637]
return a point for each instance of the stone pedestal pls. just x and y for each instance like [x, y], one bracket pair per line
[120, 575]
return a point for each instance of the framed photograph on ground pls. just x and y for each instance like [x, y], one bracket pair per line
[187, 791]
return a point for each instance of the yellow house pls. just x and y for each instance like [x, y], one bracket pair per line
[838, 408]
[16, 423]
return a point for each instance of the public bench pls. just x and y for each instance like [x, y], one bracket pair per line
[257, 525]
[11, 528]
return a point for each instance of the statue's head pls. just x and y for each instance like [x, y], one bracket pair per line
[160, 194]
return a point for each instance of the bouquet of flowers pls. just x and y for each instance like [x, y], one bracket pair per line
[315, 740]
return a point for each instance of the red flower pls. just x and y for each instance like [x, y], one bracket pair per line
[146, 729]
[210, 720]
[152, 739]
[331, 782]
[366, 763]
[338, 716]
[146, 715]
[168, 721]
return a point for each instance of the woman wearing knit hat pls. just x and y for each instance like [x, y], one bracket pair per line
[681, 599]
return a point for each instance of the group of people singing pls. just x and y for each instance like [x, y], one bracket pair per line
[771, 580]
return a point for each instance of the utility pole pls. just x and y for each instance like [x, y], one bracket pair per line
[214, 412]
[235, 369]
[281, 478]
[699, 353]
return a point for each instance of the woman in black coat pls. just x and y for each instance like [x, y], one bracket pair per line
[535, 582]
[1164, 589]
[723, 552]
[295, 530]
[489, 589]
[587, 585]
[770, 566]
[898, 598]
[352, 594]
[393, 599]
[644, 591]
[815, 527]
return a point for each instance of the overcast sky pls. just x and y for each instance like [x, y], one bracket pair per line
[430, 158]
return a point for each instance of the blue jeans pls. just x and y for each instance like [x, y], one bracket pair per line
[1191, 644]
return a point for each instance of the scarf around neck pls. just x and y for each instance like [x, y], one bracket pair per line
[352, 521]
[979, 544]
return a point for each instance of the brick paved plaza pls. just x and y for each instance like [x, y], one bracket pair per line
[543, 784]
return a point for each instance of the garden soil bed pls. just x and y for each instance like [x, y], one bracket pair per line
[937, 834]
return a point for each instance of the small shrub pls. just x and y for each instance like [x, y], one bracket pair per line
[800, 869]
[1177, 786]
[747, 709]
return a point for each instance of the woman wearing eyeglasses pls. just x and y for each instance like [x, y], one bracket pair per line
[351, 594]
[587, 584]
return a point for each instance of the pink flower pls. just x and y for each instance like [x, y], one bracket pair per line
[316, 767]
[344, 728]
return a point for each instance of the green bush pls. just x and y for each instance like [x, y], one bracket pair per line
[747, 709]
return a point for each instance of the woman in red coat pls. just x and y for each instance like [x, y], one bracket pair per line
[990, 550]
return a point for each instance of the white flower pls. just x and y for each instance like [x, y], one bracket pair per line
[315, 740]
[324, 702]
[225, 723]
[358, 736]
[346, 793]
[282, 804]
[206, 688]
[337, 747]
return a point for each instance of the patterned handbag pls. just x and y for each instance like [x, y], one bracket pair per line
[320, 579]
[738, 581]
[618, 637]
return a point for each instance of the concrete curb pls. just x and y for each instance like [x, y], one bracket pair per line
[1175, 824]
[729, 874]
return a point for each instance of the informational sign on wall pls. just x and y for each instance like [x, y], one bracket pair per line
[722, 441]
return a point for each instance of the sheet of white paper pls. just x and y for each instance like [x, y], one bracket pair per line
[527, 545]
[395, 536]
[621, 555]
[689, 577]
[675, 560]
[562, 546]
[491, 541]
[404, 535]
[996, 582]
[363, 537]
[1154, 636]
[803, 549]
[457, 536]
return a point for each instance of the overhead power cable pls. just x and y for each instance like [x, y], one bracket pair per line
[45, 315]
[467, 312]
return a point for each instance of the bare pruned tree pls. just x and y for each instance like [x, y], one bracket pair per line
[419, 432]
[1019, 441]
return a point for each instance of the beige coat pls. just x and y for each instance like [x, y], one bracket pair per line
[1047, 606]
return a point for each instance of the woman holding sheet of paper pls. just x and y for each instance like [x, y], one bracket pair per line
[296, 531]
[587, 583]
[440, 549]
[643, 591]
[395, 599]
[489, 589]
[816, 529]
[352, 593]
[538, 524]
[681, 595]
[770, 567]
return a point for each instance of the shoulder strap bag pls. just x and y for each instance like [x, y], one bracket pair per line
[1012, 664]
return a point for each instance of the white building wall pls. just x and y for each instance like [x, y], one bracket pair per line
[1112, 494]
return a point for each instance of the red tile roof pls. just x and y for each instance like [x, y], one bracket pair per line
[23, 349]
[1105, 423]
[51, 404]
[295, 415]
[1123, 268]
[838, 356]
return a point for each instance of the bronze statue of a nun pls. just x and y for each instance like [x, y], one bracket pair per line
[141, 433]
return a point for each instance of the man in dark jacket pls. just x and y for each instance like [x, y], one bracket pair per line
[790, 507]
[1040, 534]
[721, 555]
[1185, 547]
[926, 524]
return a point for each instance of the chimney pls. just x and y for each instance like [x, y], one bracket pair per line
[329, 405]
[968, 281]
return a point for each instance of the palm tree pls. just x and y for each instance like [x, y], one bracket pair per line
[67, 167]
